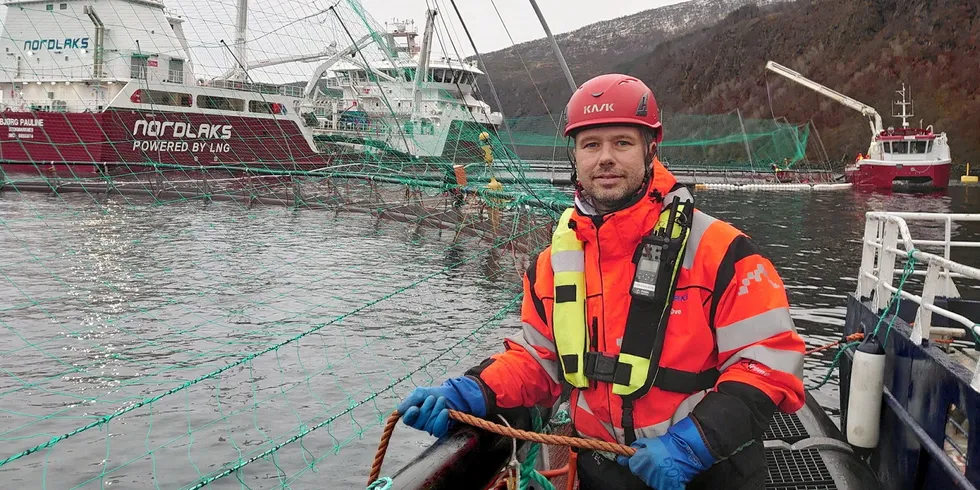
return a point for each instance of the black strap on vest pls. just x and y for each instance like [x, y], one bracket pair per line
[646, 329]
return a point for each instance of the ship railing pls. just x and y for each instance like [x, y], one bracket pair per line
[54, 105]
[28, 75]
[886, 238]
[262, 88]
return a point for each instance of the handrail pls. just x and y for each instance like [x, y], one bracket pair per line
[887, 237]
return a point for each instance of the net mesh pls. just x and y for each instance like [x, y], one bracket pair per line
[219, 279]
[202, 330]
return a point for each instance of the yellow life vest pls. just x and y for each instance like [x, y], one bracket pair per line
[660, 255]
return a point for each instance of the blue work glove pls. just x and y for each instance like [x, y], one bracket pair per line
[670, 461]
[428, 408]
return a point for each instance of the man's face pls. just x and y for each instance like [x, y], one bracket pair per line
[610, 164]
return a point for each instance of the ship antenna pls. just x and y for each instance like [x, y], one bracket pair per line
[237, 61]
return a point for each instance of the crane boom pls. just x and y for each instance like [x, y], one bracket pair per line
[864, 109]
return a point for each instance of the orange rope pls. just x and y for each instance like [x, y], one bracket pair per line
[576, 442]
[849, 338]
[379, 456]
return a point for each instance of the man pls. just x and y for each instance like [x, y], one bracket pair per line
[670, 327]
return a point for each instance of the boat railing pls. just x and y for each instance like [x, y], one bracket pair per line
[886, 238]
[262, 88]
[53, 105]
[77, 73]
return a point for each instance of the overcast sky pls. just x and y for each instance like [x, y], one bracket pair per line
[518, 15]
[287, 27]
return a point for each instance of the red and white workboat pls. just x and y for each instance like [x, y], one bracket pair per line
[904, 158]
[87, 86]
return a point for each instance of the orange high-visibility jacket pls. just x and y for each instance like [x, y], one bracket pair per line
[729, 312]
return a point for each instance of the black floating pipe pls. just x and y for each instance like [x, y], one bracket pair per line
[467, 457]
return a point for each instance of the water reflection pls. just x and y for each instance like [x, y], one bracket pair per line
[113, 302]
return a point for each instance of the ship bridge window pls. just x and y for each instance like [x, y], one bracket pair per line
[918, 146]
[220, 103]
[160, 97]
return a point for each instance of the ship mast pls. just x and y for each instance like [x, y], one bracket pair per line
[904, 104]
[241, 25]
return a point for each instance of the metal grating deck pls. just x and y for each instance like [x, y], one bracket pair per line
[797, 470]
[785, 427]
[794, 470]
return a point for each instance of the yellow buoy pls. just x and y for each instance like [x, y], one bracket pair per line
[495, 202]
[967, 178]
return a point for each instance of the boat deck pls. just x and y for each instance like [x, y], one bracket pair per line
[799, 469]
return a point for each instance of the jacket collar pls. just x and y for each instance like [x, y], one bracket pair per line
[623, 229]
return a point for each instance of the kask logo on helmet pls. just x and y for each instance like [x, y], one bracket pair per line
[589, 109]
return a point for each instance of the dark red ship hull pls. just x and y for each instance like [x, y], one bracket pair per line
[83, 143]
[892, 176]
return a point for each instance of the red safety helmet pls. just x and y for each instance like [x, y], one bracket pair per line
[613, 99]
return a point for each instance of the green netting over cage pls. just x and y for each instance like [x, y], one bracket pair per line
[721, 141]
[190, 328]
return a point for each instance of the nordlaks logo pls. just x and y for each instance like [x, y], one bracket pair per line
[155, 129]
[589, 109]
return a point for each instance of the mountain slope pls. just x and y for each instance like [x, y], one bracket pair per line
[863, 48]
[591, 50]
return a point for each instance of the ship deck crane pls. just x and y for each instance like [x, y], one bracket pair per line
[864, 109]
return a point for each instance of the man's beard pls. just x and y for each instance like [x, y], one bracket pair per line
[610, 205]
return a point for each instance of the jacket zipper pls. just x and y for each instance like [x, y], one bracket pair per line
[594, 344]
[602, 296]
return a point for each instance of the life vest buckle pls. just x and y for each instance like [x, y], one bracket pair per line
[600, 367]
[607, 369]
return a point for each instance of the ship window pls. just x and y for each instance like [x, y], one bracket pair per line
[220, 103]
[64, 6]
[50, 6]
[137, 67]
[928, 146]
[918, 146]
[160, 97]
[886, 146]
[176, 72]
[900, 147]
[263, 107]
